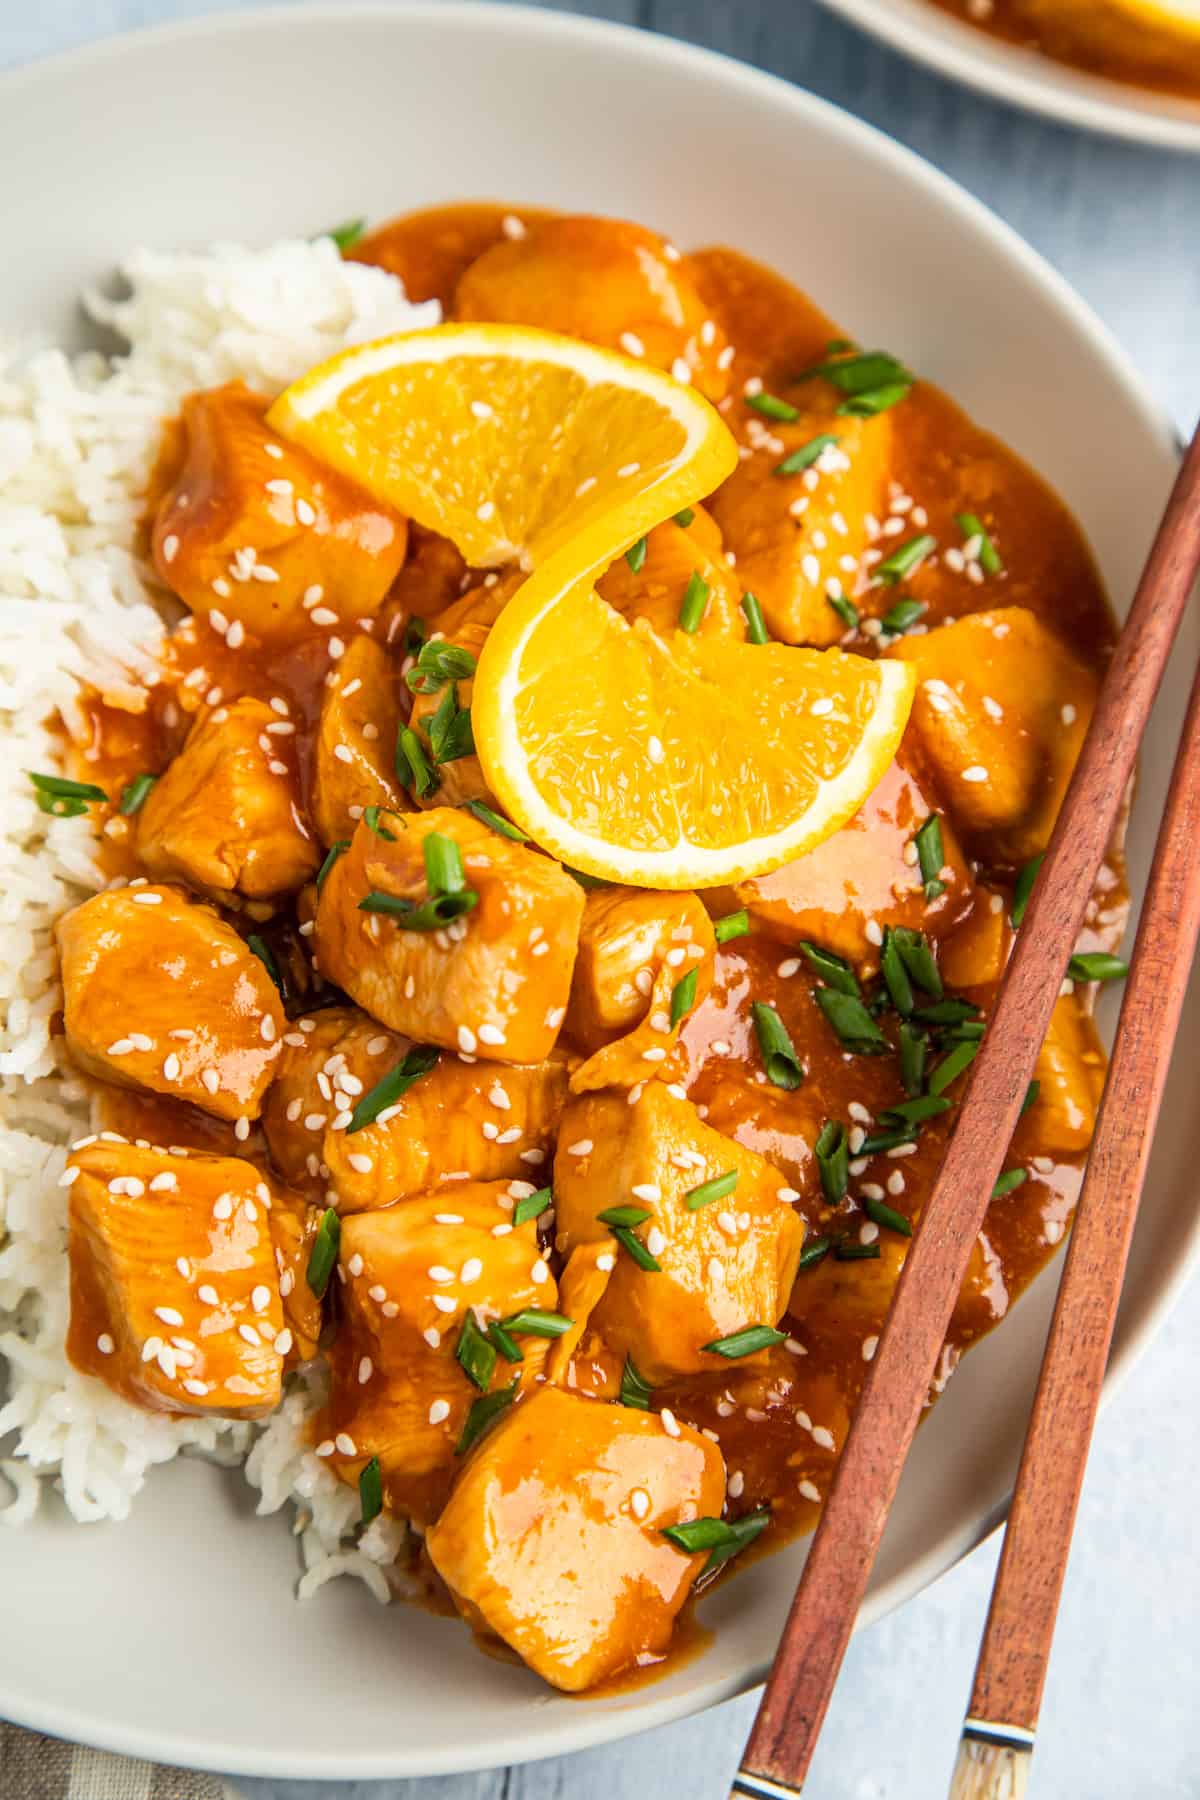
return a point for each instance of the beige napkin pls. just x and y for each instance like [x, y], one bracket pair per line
[45, 1768]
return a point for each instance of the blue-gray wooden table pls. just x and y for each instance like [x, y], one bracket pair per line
[1123, 1703]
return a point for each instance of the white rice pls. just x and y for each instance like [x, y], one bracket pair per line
[77, 441]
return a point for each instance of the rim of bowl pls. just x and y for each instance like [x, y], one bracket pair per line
[473, 17]
[1040, 84]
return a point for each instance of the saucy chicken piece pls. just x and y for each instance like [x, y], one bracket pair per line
[457, 1119]
[353, 752]
[865, 873]
[206, 1029]
[174, 1290]
[224, 816]
[642, 945]
[257, 532]
[553, 1537]
[800, 537]
[409, 1275]
[607, 281]
[722, 1266]
[483, 985]
[674, 555]
[1001, 711]
[294, 1227]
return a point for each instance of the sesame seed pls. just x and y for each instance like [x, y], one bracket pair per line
[976, 772]
[432, 1336]
[869, 1346]
[260, 1298]
[466, 1039]
[491, 1034]
[807, 1491]
[606, 1262]
[438, 1273]
[823, 1438]
[438, 1411]
[539, 1272]
[669, 1422]
[104, 1344]
[654, 750]
[443, 1302]
[736, 1485]
[639, 1503]
[210, 1079]
[208, 1294]
[655, 1054]
[789, 1195]
[656, 1241]
[345, 1444]
[583, 1147]
[471, 1270]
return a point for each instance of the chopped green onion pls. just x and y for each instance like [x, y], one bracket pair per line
[1011, 1178]
[586, 881]
[412, 764]
[913, 1048]
[769, 406]
[695, 603]
[886, 1217]
[952, 1065]
[747, 1342]
[860, 373]
[918, 959]
[331, 856]
[134, 794]
[439, 661]
[833, 1160]
[833, 970]
[756, 625]
[1031, 1095]
[532, 1206]
[486, 816]
[1097, 965]
[635, 556]
[905, 558]
[806, 455]
[849, 1250]
[507, 1345]
[899, 617]
[784, 1068]
[474, 1354]
[634, 1391]
[962, 1033]
[845, 609]
[723, 1542]
[259, 947]
[385, 1093]
[733, 925]
[443, 864]
[633, 1246]
[628, 1216]
[947, 1012]
[370, 1490]
[914, 1111]
[62, 798]
[414, 637]
[347, 235]
[372, 817]
[324, 1252]
[483, 1414]
[683, 995]
[859, 1033]
[429, 915]
[895, 974]
[708, 1191]
[880, 1141]
[989, 557]
[875, 400]
[931, 856]
[532, 1321]
[815, 1251]
[685, 516]
[1023, 888]
[450, 734]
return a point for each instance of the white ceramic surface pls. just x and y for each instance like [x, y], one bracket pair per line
[1025, 78]
[175, 1636]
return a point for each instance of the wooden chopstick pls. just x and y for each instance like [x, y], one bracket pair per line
[1003, 1714]
[818, 1628]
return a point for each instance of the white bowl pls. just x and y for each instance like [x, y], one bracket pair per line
[176, 1635]
[1024, 77]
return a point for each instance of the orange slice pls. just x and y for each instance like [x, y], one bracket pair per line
[686, 763]
[517, 444]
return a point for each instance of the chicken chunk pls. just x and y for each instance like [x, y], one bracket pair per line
[294, 1227]
[722, 1267]
[224, 817]
[794, 535]
[459, 1119]
[484, 985]
[606, 281]
[260, 533]
[1001, 710]
[674, 555]
[862, 875]
[353, 753]
[553, 1538]
[636, 947]
[409, 1276]
[174, 1291]
[1070, 1076]
[207, 1028]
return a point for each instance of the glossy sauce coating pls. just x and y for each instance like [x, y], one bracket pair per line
[1099, 37]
